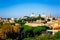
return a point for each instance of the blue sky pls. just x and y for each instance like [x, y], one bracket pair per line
[20, 8]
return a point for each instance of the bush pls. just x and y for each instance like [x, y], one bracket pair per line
[9, 39]
[43, 37]
[28, 38]
[57, 36]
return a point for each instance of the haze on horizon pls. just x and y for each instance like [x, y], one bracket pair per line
[20, 8]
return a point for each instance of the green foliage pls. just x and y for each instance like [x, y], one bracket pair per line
[33, 19]
[39, 17]
[30, 38]
[21, 22]
[40, 29]
[9, 39]
[43, 37]
[26, 28]
[57, 36]
[28, 19]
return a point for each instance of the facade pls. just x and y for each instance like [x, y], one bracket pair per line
[55, 26]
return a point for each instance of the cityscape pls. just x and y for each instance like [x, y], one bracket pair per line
[49, 26]
[29, 19]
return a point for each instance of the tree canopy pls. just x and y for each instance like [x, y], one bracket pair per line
[57, 36]
[30, 38]
[43, 37]
[26, 28]
[40, 29]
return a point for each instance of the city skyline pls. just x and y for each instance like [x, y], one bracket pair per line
[20, 8]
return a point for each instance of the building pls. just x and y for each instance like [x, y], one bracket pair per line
[34, 24]
[43, 15]
[33, 15]
[12, 20]
[50, 17]
[55, 26]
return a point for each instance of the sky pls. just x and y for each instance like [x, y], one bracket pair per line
[20, 8]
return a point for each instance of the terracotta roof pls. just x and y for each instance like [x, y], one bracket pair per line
[57, 28]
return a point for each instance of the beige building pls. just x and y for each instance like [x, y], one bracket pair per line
[11, 21]
[55, 25]
[34, 24]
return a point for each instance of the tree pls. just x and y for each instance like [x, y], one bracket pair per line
[9, 39]
[39, 17]
[30, 38]
[43, 37]
[33, 19]
[17, 28]
[48, 20]
[6, 27]
[53, 18]
[29, 19]
[42, 18]
[21, 22]
[3, 36]
[57, 36]
[39, 29]
[26, 30]
[9, 31]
